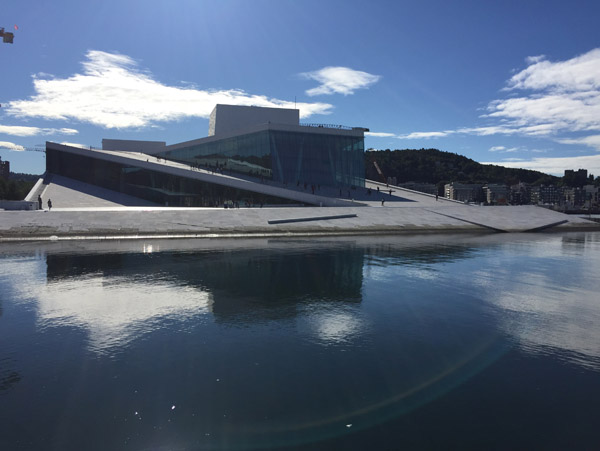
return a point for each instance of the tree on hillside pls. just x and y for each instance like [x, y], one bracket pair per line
[14, 189]
[435, 166]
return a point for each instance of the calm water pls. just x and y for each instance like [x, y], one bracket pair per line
[464, 342]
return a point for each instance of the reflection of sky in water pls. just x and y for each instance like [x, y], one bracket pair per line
[113, 310]
[304, 345]
[332, 324]
[545, 288]
[547, 295]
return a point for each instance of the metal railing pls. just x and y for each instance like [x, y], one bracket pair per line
[337, 127]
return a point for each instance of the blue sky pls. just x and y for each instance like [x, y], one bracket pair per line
[514, 82]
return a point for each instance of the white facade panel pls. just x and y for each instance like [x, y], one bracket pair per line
[230, 118]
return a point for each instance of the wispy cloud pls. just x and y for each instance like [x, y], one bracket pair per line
[11, 146]
[562, 96]
[339, 80]
[557, 100]
[504, 149]
[578, 74]
[592, 141]
[425, 135]
[477, 131]
[555, 166]
[19, 130]
[380, 134]
[484, 131]
[534, 59]
[113, 92]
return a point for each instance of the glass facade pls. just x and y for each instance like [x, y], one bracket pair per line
[158, 187]
[247, 154]
[283, 156]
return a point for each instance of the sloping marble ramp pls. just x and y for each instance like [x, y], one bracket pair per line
[526, 218]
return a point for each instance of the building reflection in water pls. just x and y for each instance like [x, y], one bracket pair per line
[120, 296]
[281, 338]
[318, 284]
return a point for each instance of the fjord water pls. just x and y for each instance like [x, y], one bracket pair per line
[465, 342]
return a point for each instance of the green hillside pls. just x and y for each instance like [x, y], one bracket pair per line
[436, 166]
[14, 189]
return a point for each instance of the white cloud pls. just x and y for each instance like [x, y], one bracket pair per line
[563, 96]
[19, 130]
[503, 149]
[534, 59]
[592, 141]
[555, 166]
[555, 98]
[579, 74]
[339, 80]
[486, 131]
[11, 146]
[380, 134]
[425, 135]
[113, 92]
[477, 131]
[549, 113]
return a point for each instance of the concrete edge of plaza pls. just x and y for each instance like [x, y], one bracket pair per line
[83, 211]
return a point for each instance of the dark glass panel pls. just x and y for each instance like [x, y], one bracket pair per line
[246, 154]
[158, 187]
[328, 160]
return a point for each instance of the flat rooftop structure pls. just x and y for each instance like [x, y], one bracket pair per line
[320, 129]
[226, 119]
[272, 144]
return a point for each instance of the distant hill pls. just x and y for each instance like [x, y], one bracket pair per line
[24, 177]
[438, 167]
[17, 187]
